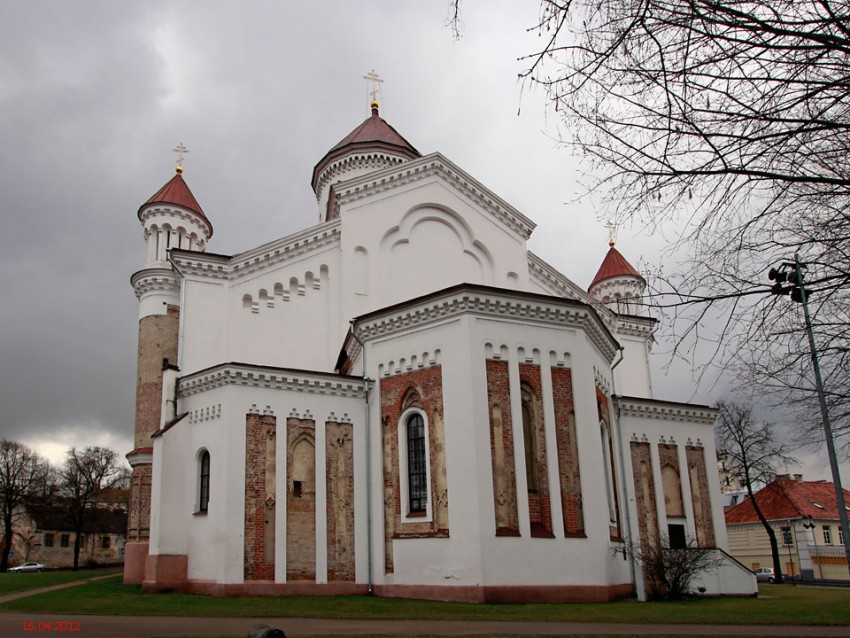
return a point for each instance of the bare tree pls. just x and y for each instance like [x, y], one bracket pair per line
[670, 571]
[752, 451]
[731, 119]
[85, 474]
[22, 476]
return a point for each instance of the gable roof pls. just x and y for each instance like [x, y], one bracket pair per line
[614, 265]
[785, 498]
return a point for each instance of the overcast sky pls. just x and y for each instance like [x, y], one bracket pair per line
[94, 95]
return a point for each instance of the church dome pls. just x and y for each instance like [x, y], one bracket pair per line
[173, 218]
[371, 146]
[617, 284]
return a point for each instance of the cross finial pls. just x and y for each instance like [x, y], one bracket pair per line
[612, 233]
[373, 82]
[181, 151]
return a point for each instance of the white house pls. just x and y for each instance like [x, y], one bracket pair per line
[401, 399]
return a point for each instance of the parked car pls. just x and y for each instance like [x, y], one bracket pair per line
[764, 574]
[27, 567]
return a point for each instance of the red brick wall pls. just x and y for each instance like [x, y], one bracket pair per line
[700, 496]
[502, 448]
[138, 515]
[301, 499]
[567, 444]
[539, 506]
[260, 436]
[339, 451]
[647, 512]
[424, 389]
[158, 337]
[671, 475]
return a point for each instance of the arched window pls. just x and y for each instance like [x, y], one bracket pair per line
[204, 482]
[417, 472]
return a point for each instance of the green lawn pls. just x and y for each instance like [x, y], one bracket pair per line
[778, 604]
[11, 583]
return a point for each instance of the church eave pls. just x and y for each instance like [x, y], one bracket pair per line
[427, 166]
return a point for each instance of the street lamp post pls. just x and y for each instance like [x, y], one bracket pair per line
[793, 274]
[809, 524]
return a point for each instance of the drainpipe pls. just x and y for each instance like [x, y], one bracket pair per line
[641, 594]
[366, 387]
[182, 314]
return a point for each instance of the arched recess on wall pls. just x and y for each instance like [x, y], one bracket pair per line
[446, 224]
[360, 274]
[303, 471]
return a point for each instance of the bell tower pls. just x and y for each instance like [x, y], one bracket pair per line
[171, 218]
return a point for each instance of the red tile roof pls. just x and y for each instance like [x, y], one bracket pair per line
[614, 265]
[788, 499]
[373, 131]
[177, 192]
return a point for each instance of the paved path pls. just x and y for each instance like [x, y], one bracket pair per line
[30, 625]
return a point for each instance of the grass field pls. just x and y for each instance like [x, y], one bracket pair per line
[777, 604]
[11, 583]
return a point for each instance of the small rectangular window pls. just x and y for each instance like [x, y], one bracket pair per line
[676, 535]
[827, 535]
[64, 540]
[787, 538]
[48, 540]
[104, 542]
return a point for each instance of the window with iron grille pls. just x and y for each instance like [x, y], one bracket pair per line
[204, 495]
[417, 474]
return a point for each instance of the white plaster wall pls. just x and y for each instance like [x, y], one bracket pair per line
[422, 237]
[216, 550]
[632, 375]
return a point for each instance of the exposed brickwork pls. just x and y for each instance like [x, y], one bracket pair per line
[700, 496]
[539, 505]
[158, 337]
[423, 389]
[603, 405]
[260, 496]
[300, 499]
[668, 457]
[647, 512]
[567, 444]
[138, 516]
[502, 448]
[340, 502]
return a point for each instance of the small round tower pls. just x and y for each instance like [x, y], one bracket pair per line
[370, 147]
[172, 218]
[618, 285]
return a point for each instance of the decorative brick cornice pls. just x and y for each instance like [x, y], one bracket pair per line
[485, 301]
[140, 456]
[635, 326]
[666, 410]
[242, 265]
[241, 374]
[429, 166]
[154, 280]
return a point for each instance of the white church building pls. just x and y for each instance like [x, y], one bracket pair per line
[402, 400]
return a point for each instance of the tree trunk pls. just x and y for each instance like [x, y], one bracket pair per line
[771, 535]
[7, 543]
[76, 550]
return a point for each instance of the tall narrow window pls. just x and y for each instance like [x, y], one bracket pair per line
[417, 476]
[204, 483]
[827, 535]
[607, 470]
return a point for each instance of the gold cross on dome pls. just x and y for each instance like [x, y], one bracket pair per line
[374, 82]
[181, 151]
[612, 233]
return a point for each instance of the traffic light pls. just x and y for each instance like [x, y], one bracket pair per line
[791, 273]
